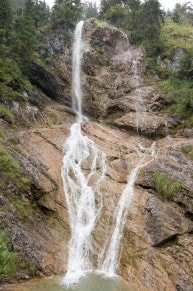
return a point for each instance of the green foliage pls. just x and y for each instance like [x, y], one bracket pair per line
[6, 15]
[178, 96]
[178, 84]
[11, 78]
[2, 134]
[188, 151]
[24, 41]
[66, 13]
[183, 13]
[165, 186]
[6, 112]
[90, 10]
[142, 21]
[176, 36]
[7, 93]
[38, 11]
[132, 18]
[123, 14]
[149, 27]
[9, 72]
[24, 208]
[106, 5]
[11, 173]
[116, 15]
[9, 260]
[20, 21]
[186, 65]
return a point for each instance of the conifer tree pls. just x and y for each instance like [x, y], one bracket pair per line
[149, 26]
[6, 15]
[66, 13]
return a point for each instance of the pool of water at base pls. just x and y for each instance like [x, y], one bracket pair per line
[92, 282]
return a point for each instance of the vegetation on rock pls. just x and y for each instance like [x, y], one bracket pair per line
[26, 28]
[11, 174]
[166, 187]
[188, 151]
[9, 260]
[175, 70]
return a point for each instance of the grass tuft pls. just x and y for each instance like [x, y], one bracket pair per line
[165, 186]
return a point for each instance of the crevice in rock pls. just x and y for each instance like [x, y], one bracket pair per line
[48, 141]
[46, 211]
[171, 240]
[163, 243]
[180, 203]
[189, 215]
[146, 187]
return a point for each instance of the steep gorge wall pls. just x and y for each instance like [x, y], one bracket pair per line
[127, 107]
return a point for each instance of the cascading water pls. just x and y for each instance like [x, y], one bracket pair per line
[83, 166]
[110, 262]
[76, 70]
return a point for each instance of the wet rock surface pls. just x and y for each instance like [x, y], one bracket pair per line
[157, 245]
[115, 84]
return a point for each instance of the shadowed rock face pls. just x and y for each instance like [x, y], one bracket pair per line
[49, 83]
[157, 245]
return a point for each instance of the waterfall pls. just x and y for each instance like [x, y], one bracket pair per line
[84, 167]
[111, 251]
[76, 70]
[110, 263]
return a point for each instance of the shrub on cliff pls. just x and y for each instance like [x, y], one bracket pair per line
[165, 186]
[11, 173]
[9, 260]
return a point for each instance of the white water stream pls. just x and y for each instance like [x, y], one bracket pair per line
[110, 264]
[84, 167]
[111, 252]
[78, 47]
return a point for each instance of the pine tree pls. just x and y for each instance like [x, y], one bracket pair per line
[24, 41]
[149, 26]
[183, 13]
[106, 6]
[66, 13]
[90, 10]
[6, 15]
[133, 9]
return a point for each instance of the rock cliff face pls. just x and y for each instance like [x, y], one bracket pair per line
[125, 105]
